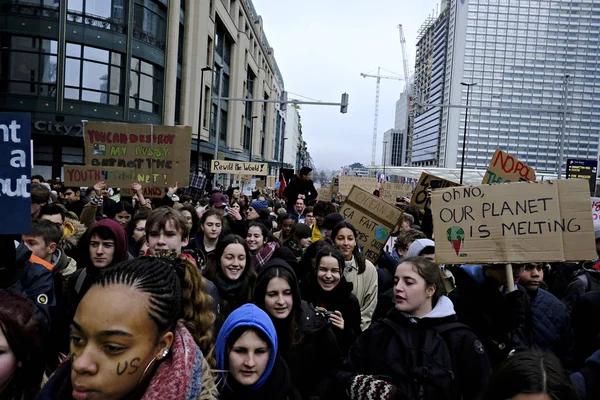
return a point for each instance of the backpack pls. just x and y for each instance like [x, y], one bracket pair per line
[428, 362]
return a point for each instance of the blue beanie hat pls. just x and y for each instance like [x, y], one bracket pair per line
[251, 316]
[259, 205]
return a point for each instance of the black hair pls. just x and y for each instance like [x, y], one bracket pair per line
[263, 229]
[530, 372]
[141, 215]
[75, 189]
[120, 207]
[427, 250]
[323, 209]
[195, 219]
[299, 232]
[305, 171]
[38, 177]
[306, 264]
[248, 276]
[103, 232]
[358, 258]
[54, 209]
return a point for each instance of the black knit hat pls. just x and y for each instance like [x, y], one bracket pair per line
[332, 220]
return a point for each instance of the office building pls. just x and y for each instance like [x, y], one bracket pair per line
[519, 53]
[141, 61]
[394, 148]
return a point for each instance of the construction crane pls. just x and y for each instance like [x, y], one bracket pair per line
[404, 58]
[379, 77]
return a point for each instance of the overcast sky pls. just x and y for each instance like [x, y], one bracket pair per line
[322, 46]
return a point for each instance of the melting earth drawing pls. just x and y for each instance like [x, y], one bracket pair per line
[456, 236]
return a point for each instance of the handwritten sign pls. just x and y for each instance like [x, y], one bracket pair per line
[419, 197]
[324, 194]
[346, 182]
[239, 168]
[373, 218]
[596, 209]
[393, 190]
[15, 173]
[506, 168]
[120, 154]
[271, 181]
[514, 222]
[148, 192]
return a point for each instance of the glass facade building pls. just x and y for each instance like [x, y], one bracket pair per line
[519, 53]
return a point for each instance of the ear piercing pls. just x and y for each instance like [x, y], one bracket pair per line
[165, 353]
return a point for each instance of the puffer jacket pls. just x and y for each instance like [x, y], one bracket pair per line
[551, 325]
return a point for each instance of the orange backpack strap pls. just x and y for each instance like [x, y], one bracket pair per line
[37, 260]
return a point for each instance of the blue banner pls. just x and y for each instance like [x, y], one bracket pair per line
[15, 173]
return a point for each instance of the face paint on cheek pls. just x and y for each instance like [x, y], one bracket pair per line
[130, 367]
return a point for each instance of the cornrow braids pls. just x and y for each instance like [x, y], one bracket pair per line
[156, 277]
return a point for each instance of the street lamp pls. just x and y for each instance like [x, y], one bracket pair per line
[282, 152]
[385, 142]
[251, 134]
[203, 70]
[462, 162]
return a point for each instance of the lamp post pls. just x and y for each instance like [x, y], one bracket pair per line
[218, 122]
[203, 70]
[252, 135]
[384, 158]
[563, 127]
[462, 162]
[282, 152]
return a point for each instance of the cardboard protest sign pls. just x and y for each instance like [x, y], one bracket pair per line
[595, 209]
[260, 183]
[373, 218]
[506, 168]
[148, 192]
[239, 168]
[243, 178]
[120, 154]
[393, 190]
[419, 197]
[271, 180]
[324, 194]
[514, 222]
[346, 183]
[15, 173]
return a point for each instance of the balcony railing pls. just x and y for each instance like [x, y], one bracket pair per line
[32, 10]
[97, 21]
[149, 38]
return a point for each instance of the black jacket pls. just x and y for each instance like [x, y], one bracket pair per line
[378, 352]
[298, 186]
[339, 299]
[279, 386]
[502, 322]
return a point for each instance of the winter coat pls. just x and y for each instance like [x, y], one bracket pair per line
[339, 299]
[203, 257]
[586, 281]
[379, 352]
[551, 325]
[587, 381]
[298, 186]
[586, 327]
[183, 374]
[365, 288]
[502, 322]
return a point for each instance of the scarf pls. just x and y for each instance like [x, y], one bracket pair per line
[259, 259]
[179, 376]
[228, 289]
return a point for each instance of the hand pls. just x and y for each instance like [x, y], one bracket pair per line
[428, 201]
[235, 213]
[99, 187]
[337, 320]
[136, 188]
[406, 200]
[173, 189]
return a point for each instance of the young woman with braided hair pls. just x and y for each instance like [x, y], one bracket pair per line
[140, 332]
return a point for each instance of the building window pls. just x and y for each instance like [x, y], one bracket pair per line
[249, 109]
[105, 14]
[150, 22]
[31, 65]
[221, 61]
[93, 74]
[145, 93]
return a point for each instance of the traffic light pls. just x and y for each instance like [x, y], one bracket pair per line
[344, 105]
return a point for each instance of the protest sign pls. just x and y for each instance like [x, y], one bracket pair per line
[271, 180]
[243, 178]
[373, 218]
[120, 153]
[514, 223]
[15, 173]
[148, 192]
[239, 167]
[419, 197]
[595, 209]
[324, 194]
[393, 190]
[506, 168]
[346, 183]
[260, 183]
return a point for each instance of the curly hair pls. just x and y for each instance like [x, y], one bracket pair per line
[176, 291]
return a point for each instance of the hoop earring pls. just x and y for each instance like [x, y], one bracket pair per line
[147, 366]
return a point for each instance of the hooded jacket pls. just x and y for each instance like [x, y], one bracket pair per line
[379, 352]
[587, 381]
[503, 322]
[82, 279]
[183, 374]
[275, 382]
[316, 353]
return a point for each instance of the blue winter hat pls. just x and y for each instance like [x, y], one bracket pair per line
[251, 316]
[259, 205]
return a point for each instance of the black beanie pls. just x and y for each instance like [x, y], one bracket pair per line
[332, 220]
